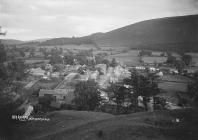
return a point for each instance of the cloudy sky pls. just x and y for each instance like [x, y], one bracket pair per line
[33, 19]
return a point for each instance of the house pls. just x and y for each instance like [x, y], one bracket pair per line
[113, 79]
[55, 74]
[37, 71]
[173, 71]
[93, 75]
[102, 67]
[46, 77]
[83, 77]
[160, 74]
[48, 67]
[64, 95]
[140, 68]
[103, 95]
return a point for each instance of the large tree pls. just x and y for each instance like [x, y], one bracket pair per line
[118, 92]
[87, 96]
[8, 101]
[187, 59]
[144, 86]
[2, 53]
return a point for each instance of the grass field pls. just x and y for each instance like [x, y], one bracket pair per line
[59, 121]
[158, 125]
[129, 58]
[172, 84]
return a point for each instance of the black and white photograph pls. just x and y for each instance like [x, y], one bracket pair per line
[98, 69]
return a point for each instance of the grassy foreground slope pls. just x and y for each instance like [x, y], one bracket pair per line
[60, 121]
[163, 125]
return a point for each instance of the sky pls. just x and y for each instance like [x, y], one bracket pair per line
[35, 19]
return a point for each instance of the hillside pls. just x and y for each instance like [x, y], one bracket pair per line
[77, 125]
[11, 41]
[67, 41]
[171, 33]
[166, 34]
[59, 121]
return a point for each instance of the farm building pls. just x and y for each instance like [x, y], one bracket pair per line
[173, 71]
[55, 74]
[65, 95]
[93, 75]
[37, 71]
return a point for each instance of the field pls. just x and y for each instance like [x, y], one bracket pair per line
[171, 84]
[59, 122]
[129, 58]
[77, 125]
[72, 47]
[32, 61]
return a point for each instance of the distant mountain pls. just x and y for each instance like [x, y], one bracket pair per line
[171, 33]
[39, 40]
[166, 34]
[11, 41]
[65, 41]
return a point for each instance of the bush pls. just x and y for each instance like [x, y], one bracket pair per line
[68, 107]
[45, 101]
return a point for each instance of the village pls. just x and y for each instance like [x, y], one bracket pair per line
[53, 74]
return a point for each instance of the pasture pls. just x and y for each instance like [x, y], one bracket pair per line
[129, 58]
[171, 84]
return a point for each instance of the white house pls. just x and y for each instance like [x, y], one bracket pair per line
[37, 71]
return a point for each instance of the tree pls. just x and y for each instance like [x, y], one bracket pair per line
[56, 59]
[22, 53]
[141, 86]
[2, 53]
[171, 59]
[45, 101]
[192, 90]
[44, 51]
[69, 58]
[187, 59]
[16, 69]
[119, 94]
[179, 65]
[87, 96]
[113, 63]
[32, 52]
[8, 102]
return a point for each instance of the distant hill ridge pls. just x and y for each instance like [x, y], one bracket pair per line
[172, 33]
[167, 34]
